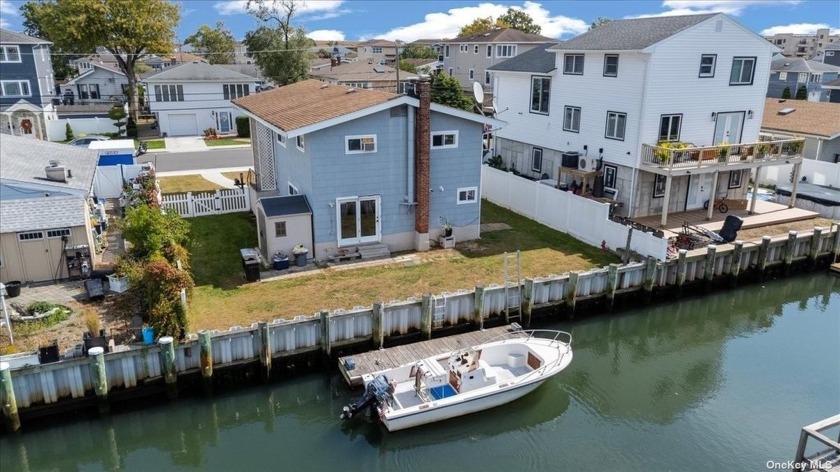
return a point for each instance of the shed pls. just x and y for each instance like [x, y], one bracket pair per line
[283, 223]
[115, 151]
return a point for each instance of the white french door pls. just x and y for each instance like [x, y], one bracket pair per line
[728, 127]
[699, 190]
[358, 220]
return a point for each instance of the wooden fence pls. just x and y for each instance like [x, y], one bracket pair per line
[208, 203]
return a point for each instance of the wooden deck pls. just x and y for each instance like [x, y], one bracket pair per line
[391, 357]
[766, 214]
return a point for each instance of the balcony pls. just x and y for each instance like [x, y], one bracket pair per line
[671, 158]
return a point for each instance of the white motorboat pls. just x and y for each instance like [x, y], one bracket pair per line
[465, 381]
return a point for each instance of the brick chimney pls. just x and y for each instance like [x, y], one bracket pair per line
[422, 165]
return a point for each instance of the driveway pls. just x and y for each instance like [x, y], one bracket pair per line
[185, 144]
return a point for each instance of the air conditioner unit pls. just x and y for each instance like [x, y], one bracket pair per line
[587, 164]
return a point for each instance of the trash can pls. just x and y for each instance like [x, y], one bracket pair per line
[280, 262]
[148, 335]
[250, 264]
[13, 288]
[300, 257]
[731, 225]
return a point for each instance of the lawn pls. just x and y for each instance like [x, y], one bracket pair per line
[221, 298]
[226, 141]
[186, 183]
[155, 144]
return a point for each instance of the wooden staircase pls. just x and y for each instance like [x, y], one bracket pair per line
[374, 251]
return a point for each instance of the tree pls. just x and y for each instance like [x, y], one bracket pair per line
[478, 26]
[801, 93]
[408, 67]
[786, 93]
[417, 51]
[62, 68]
[280, 50]
[519, 20]
[68, 132]
[128, 29]
[216, 44]
[600, 21]
[446, 90]
[117, 113]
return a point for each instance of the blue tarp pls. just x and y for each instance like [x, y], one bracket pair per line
[114, 159]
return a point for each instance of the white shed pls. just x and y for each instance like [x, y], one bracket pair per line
[283, 223]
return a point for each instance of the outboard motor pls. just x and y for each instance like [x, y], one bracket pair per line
[376, 392]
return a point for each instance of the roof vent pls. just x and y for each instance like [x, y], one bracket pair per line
[379, 69]
[54, 163]
[351, 90]
[324, 85]
[786, 111]
[56, 173]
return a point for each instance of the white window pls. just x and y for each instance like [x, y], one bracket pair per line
[540, 89]
[573, 64]
[299, 143]
[450, 72]
[611, 65]
[571, 119]
[14, 88]
[281, 139]
[743, 69]
[279, 229]
[616, 123]
[475, 50]
[816, 78]
[669, 127]
[446, 51]
[360, 144]
[444, 139]
[782, 75]
[57, 233]
[707, 65]
[464, 48]
[10, 54]
[467, 195]
[232, 91]
[536, 159]
[169, 93]
[505, 50]
[489, 50]
[376, 50]
[31, 236]
[735, 179]
[486, 77]
[292, 189]
[472, 74]
[803, 77]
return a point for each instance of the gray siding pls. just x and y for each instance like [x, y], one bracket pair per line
[462, 62]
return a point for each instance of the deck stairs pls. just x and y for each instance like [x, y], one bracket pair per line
[374, 251]
[513, 286]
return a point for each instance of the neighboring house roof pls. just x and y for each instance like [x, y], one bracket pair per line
[360, 71]
[501, 35]
[285, 206]
[379, 42]
[100, 65]
[418, 62]
[821, 119]
[428, 42]
[197, 71]
[251, 70]
[633, 34]
[24, 159]
[31, 214]
[310, 105]
[537, 59]
[10, 37]
[799, 64]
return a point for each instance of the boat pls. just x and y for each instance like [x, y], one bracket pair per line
[465, 381]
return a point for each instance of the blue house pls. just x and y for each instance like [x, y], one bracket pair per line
[27, 86]
[793, 73]
[377, 169]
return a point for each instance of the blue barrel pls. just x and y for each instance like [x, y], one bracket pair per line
[148, 335]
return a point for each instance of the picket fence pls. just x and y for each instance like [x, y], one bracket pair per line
[208, 203]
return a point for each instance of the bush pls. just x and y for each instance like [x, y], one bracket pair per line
[786, 93]
[243, 127]
[131, 129]
[802, 93]
[68, 132]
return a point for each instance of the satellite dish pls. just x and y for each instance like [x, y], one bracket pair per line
[478, 93]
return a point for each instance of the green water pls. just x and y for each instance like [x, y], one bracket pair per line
[723, 382]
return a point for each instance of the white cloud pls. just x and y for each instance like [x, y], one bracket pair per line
[447, 24]
[312, 9]
[796, 28]
[6, 10]
[326, 35]
[695, 7]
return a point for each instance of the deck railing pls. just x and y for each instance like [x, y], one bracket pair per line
[673, 156]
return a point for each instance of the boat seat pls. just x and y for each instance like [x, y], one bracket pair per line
[489, 371]
[515, 360]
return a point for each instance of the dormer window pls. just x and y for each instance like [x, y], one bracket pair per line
[10, 54]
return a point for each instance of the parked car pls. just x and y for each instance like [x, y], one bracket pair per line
[84, 141]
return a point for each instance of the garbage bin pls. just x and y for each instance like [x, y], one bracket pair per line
[13, 288]
[300, 256]
[280, 262]
[250, 264]
[731, 225]
[148, 335]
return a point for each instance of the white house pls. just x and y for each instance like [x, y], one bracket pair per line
[99, 82]
[595, 115]
[192, 97]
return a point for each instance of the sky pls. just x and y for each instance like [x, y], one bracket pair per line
[410, 20]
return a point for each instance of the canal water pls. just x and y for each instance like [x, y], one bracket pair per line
[723, 382]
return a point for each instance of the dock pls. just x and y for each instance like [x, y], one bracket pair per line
[387, 358]
[827, 457]
[835, 268]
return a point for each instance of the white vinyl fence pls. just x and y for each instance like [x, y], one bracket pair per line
[815, 172]
[586, 220]
[208, 203]
[56, 129]
[108, 182]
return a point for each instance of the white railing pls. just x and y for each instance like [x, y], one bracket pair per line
[208, 203]
[680, 156]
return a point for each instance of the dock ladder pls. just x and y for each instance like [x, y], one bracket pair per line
[438, 311]
[513, 286]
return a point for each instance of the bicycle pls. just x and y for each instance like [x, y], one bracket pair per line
[719, 205]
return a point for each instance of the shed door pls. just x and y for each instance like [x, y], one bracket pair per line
[35, 255]
[183, 124]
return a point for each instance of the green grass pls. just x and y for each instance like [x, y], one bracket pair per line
[214, 247]
[155, 144]
[186, 183]
[226, 141]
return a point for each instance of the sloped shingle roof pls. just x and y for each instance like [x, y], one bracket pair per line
[31, 214]
[23, 160]
[11, 37]
[536, 60]
[633, 34]
[308, 102]
[808, 118]
[360, 71]
[501, 35]
[197, 71]
[285, 206]
[801, 65]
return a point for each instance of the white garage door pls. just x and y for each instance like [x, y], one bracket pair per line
[183, 125]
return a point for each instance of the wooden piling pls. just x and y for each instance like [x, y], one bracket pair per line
[99, 377]
[478, 309]
[265, 349]
[816, 239]
[426, 316]
[735, 266]
[650, 276]
[325, 333]
[205, 346]
[835, 245]
[571, 292]
[527, 304]
[612, 283]
[791, 242]
[682, 269]
[709, 270]
[8, 404]
[763, 254]
[170, 372]
[378, 326]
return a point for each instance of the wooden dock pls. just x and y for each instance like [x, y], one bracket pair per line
[388, 358]
[835, 268]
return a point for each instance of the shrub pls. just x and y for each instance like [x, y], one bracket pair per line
[39, 307]
[802, 93]
[131, 129]
[92, 322]
[243, 127]
[786, 93]
[68, 132]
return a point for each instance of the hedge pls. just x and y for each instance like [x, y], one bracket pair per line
[243, 127]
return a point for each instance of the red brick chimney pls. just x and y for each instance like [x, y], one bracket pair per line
[422, 163]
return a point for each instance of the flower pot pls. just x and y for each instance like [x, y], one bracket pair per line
[13, 288]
